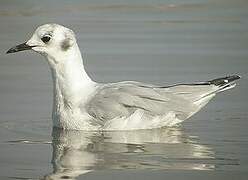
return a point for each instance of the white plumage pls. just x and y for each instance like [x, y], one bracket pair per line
[80, 103]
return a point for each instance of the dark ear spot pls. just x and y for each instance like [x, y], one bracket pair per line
[66, 44]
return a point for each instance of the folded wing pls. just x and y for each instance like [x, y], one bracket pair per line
[124, 98]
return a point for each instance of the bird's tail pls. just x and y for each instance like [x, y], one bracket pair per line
[225, 82]
[218, 85]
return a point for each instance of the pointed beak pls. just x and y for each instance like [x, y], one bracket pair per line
[20, 47]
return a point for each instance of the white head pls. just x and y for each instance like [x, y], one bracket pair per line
[58, 44]
[53, 41]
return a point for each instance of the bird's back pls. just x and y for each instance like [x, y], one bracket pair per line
[143, 106]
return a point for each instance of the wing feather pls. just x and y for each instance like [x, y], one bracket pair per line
[123, 99]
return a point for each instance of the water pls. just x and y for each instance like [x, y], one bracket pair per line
[160, 42]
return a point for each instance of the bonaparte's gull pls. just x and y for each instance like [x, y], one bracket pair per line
[82, 104]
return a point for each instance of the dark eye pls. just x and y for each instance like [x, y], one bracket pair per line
[46, 39]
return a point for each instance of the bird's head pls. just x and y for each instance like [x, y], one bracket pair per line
[49, 40]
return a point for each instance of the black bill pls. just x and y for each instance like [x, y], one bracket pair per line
[20, 47]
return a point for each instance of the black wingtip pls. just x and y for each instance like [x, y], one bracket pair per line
[224, 80]
[12, 50]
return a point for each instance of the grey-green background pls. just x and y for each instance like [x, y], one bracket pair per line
[153, 41]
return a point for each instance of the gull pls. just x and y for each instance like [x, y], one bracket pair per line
[82, 104]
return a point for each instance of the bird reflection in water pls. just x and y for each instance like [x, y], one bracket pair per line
[79, 152]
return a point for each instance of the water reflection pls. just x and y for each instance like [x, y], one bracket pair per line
[78, 152]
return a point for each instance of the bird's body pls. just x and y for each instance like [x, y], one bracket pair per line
[82, 104]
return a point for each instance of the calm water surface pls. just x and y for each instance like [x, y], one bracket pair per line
[160, 42]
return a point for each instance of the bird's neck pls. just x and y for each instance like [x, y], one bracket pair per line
[71, 83]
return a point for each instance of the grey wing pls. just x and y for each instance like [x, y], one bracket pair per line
[124, 98]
